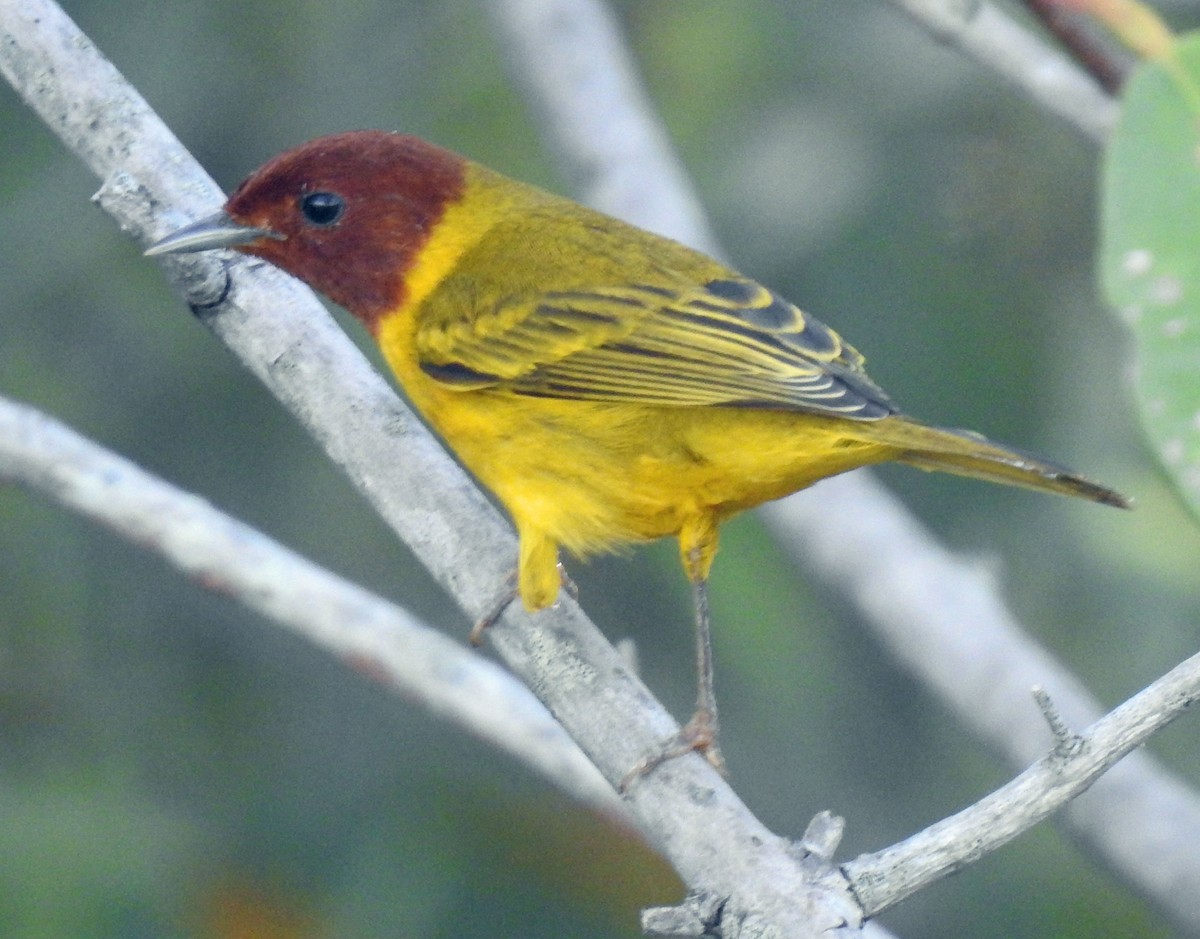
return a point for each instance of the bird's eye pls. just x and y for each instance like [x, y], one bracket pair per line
[322, 208]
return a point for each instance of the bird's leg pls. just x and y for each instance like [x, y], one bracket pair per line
[537, 580]
[698, 546]
[700, 733]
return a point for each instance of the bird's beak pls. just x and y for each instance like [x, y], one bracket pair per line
[216, 231]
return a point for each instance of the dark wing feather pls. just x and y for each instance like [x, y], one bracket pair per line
[725, 343]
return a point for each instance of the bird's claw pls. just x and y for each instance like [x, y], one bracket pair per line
[698, 735]
[505, 599]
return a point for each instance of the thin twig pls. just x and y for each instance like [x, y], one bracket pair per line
[886, 877]
[1140, 820]
[991, 37]
[1085, 46]
[1065, 742]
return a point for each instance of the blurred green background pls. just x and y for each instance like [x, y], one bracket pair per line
[172, 766]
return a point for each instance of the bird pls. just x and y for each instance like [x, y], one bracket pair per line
[610, 386]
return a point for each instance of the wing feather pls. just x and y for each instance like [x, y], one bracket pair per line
[726, 343]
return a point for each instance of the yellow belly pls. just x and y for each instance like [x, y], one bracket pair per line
[595, 476]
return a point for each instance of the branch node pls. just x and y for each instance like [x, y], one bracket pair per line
[822, 836]
[1066, 741]
[120, 190]
[208, 284]
[698, 915]
[628, 651]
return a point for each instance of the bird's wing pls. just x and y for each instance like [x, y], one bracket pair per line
[726, 343]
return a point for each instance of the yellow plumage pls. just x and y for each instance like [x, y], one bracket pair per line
[589, 374]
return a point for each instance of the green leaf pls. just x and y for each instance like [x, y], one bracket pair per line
[1150, 253]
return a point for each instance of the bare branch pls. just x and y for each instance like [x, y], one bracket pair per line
[1142, 821]
[885, 878]
[991, 37]
[221, 554]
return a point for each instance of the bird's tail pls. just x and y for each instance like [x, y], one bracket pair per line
[965, 453]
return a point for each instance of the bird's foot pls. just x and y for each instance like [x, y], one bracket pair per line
[503, 601]
[507, 596]
[698, 735]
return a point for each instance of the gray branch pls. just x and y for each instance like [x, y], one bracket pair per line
[886, 877]
[1046, 74]
[223, 555]
[1142, 821]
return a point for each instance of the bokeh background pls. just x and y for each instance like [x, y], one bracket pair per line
[171, 766]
